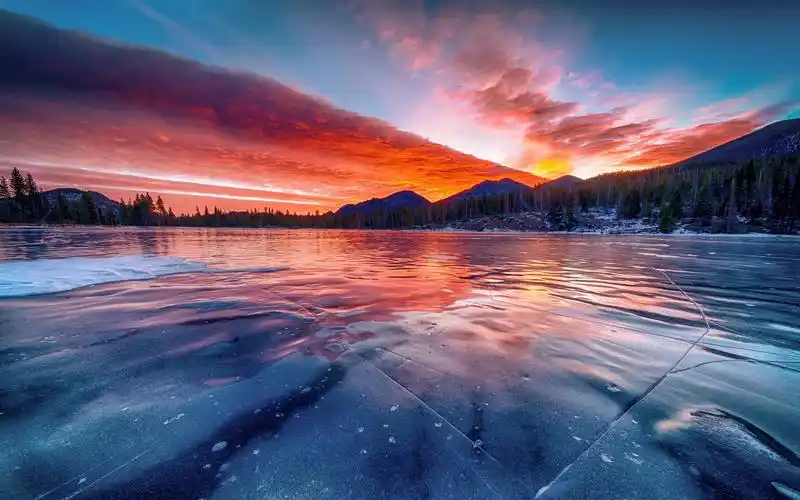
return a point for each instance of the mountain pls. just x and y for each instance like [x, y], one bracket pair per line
[562, 182]
[396, 201]
[105, 204]
[489, 188]
[777, 139]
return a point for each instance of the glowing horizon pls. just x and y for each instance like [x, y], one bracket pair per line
[432, 99]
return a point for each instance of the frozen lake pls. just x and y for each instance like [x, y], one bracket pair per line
[238, 364]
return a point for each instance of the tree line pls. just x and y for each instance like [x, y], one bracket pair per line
[754, 195]
[21, 201]
[759, 194]
[20, 198]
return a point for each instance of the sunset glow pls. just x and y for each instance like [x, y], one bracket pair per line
[430, 99]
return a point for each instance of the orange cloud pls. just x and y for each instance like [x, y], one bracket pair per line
[143, 118]
[612, 137]
[552, 167]
[503, 80]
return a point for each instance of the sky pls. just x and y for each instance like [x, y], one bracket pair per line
[308, 105]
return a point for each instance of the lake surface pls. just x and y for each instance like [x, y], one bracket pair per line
[237, 364]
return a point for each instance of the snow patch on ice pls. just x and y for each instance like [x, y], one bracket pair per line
[174, 419]
[34, 277]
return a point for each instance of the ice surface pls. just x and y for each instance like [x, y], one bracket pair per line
[40, 276]
[403, 365]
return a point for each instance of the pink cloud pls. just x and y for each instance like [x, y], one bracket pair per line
[419, 53]
[623, 143]
[494, 73]
[411, 35]
[721, 110]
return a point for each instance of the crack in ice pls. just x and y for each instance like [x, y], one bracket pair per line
[643, 395]
[118, 468]
[451, 425]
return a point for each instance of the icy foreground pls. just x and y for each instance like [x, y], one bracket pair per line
[33, 277]
[390, 365]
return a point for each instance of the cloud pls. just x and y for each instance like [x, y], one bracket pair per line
[494, 70]
[109, 107]
[623, 143]
[500, 106]
[596, 133]
[722, 110]
[665, 147]
[412, 36]
[505, 79]
[483, 65]
[589, 80]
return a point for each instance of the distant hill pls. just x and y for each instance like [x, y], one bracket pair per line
[777, 139]
[396, 201]
[562, 182]
[72, 195]
[489, 188]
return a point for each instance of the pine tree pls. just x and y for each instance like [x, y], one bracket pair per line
[31, 189]
[555, 217]
[570, 221]
[647, 208]
[676, 204]
[63, 208]
[666, 219]
[583, 200]
[160, 206]
[794, 203]
[34, 198]
[88, 209]
[732, 216]
[632, 204]
[18, 188]
[5, 192]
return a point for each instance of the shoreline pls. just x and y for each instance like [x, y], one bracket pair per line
[596, 233]
[677, 233]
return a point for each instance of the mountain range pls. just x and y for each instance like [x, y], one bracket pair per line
[401, 199]
[74, 195]
[775, 140]
[488, 188]
[779, 139]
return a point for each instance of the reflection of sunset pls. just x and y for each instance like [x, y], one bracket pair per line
[326, 292]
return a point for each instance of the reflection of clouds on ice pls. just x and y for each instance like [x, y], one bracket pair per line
[479, 372]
